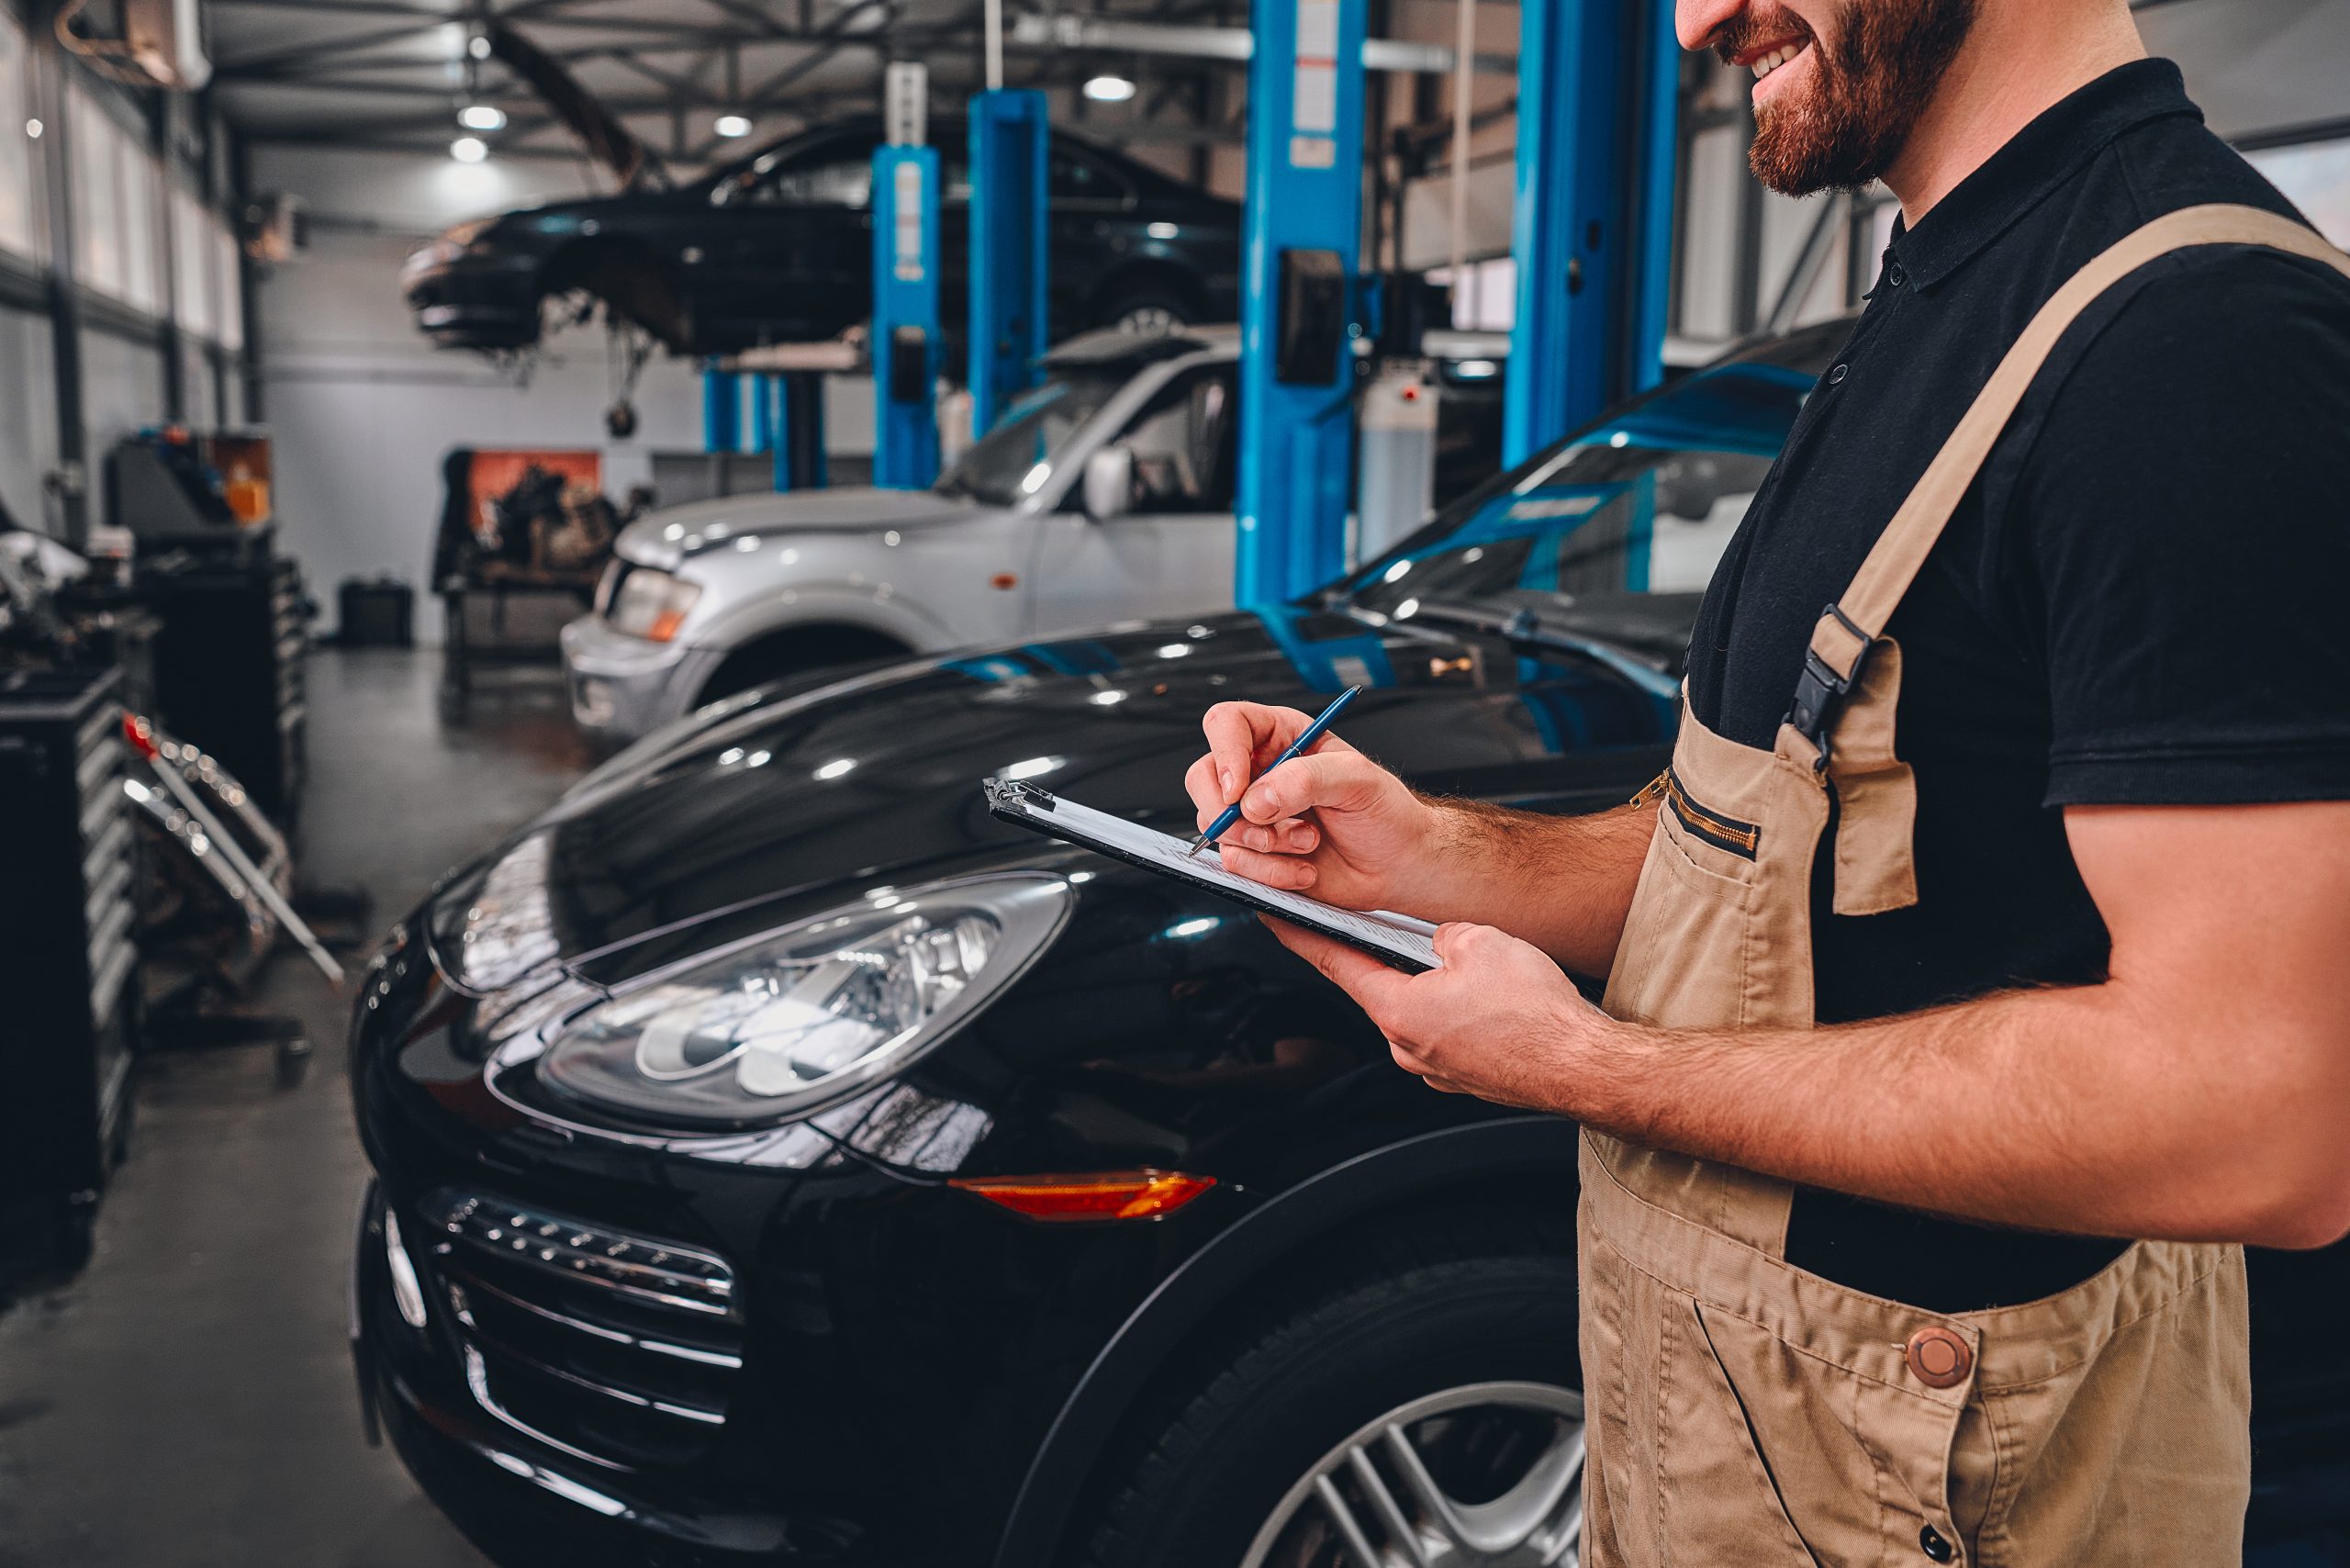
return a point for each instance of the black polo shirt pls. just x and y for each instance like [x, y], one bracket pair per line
[2140, 600]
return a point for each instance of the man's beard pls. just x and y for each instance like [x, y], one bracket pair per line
[1865, 96]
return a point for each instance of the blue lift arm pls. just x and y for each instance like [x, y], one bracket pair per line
[1597, 102]
[1301, 228]
[1009, 198]
[905, 316]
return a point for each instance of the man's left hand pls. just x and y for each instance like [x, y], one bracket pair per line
[1499, 1020]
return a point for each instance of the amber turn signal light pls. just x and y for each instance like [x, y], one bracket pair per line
[1112, 1194]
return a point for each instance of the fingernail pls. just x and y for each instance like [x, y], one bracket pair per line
[1225, 775]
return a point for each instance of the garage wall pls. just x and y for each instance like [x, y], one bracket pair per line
[27, 423]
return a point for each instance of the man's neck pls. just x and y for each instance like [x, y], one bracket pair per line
[2023, 57]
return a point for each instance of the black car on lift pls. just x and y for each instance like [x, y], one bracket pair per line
[780, 1160]
[778, 248]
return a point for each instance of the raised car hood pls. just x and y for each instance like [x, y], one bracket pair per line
[675, 534]
[799, 801]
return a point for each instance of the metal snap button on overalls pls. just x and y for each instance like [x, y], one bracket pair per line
[1938, 1357]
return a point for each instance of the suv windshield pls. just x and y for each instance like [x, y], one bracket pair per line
[1615, 532]
[1014, 460]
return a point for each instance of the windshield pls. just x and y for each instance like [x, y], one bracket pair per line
[1622, 524]
[1017, 458]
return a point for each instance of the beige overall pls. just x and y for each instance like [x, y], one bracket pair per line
[1743, 1411]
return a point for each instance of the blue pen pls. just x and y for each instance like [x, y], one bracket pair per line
[1312, 733]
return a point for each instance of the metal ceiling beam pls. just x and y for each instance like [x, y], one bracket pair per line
[1130, 35]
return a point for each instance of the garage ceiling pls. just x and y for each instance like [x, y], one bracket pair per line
[392, 73]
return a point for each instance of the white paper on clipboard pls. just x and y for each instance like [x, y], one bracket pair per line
[1396, 938]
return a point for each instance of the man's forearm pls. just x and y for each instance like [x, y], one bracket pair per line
[1563, 884]
[2083, 1110]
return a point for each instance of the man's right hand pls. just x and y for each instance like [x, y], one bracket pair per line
[1331, 822]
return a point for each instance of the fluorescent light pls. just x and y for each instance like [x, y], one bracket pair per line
[732, 125]
[482, 116]
[469, 150]
[1109, 89]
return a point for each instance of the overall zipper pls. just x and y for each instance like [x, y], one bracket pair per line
[1723, 832]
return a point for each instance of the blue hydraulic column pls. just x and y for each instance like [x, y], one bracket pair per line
[1593, 228]
[721, 412]
[1008, 245]
[799, 437]
[905, 316]
[762, 413]
[1303, 226]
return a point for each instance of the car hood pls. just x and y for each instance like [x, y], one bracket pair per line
[789, 805]
[675, 535]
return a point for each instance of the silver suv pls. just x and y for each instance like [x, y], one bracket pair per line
[1104, 495]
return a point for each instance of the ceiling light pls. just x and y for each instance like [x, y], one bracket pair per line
[469, 150]
[482, 116]
[478, 46]
[732, 125]
[1109, 89]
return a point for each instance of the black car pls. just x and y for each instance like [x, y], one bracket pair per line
[778, 248]
[780, 1160]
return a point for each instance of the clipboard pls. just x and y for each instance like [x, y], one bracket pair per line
[1396, 939]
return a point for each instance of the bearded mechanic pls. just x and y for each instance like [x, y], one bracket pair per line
[1974, 971]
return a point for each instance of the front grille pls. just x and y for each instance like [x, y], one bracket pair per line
[615, 1347]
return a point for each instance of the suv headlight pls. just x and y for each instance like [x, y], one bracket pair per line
[808, 1015]
[651, 604]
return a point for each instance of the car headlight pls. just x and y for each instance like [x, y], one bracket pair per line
[806, 1016]
[651, 604]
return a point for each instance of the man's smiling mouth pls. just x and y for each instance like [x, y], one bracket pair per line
[1777, 55]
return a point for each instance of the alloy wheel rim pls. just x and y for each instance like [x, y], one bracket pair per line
[1483, 1475]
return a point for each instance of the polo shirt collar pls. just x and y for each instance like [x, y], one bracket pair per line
[2036, 162]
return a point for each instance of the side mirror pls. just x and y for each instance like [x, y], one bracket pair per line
[1689, 488]
[1109, 482]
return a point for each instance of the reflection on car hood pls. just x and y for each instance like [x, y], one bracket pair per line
[877, 779]
[675, 533]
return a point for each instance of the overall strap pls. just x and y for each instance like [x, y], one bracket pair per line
[1849, 628]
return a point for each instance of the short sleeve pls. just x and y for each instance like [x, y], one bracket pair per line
[2180, 533]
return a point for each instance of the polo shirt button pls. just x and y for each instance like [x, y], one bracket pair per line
[1938, 1357]
[1930, 1542]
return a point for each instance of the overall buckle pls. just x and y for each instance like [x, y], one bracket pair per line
[1818, 687]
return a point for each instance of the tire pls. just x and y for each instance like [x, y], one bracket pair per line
[1462, 1336]
[795, 652]
[1150, 307]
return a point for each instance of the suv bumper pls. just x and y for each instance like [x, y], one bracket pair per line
[622, 686]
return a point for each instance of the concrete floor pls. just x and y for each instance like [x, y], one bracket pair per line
[188, 1399]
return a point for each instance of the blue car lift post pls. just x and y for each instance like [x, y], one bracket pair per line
[905, 337]
[1598, 85]
[1300, 238]
[1008, 230]
[721, 411]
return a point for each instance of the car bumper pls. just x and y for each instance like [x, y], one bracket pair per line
[623, 687]
[473, 303]
[519, 1494]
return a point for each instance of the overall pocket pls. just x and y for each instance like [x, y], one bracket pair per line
[1687, 940]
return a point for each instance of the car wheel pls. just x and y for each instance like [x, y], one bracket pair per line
[1425, 1410]
[1147, 310]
